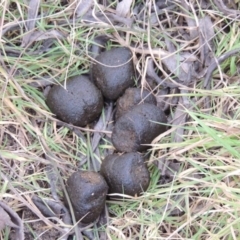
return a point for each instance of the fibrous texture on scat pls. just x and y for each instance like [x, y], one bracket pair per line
[87, 191]
[132, 97]
[125, 173]
[79, 104]
[137, 127]
[113, 72]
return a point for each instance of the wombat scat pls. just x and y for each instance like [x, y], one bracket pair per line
[79, 104]
[113, 72]
[132, 97]
[137, 127]
[87, 192]
[126, 173]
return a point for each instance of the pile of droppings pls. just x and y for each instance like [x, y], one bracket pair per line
[138, 122]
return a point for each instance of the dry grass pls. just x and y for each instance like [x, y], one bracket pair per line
[204, 195]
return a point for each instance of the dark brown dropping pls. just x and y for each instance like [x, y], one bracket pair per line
[155, 116]
[113, 72]
[79, 104]
[129, 132]
[126, 173]
[132, 97]
[87, 192]
[137, 127]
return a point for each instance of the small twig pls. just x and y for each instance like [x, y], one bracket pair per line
[215, 63]
[180, 116]
[89, 234]
[51, 159]
[102, 221]
[101, 126]
[107, 18]
[53, 179]
[72, 127]
[192, 25]
[224, 9]
[17, 220]
[55, 209]
[48, 208]
[42, 82]
[152, 74]
[99, 43]
[32, 18]
[28, 205]
[173, 100]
